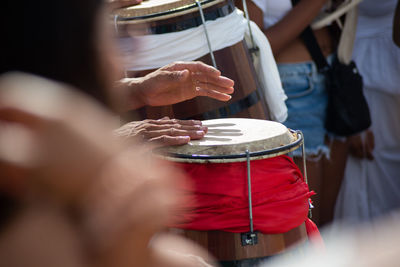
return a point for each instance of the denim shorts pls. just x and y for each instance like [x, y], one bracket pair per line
[306, 103]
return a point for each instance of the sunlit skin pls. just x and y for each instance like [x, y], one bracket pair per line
[178, 82]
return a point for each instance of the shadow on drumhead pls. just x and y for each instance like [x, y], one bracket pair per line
[216, 139]
[220, 125]
[224, 132]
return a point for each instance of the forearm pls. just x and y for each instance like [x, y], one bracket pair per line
[290, 27]
[131, 89]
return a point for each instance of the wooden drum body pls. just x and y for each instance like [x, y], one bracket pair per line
[233, 61]
[240, 168]
[226, 246]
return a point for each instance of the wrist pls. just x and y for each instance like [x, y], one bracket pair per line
[134, 96]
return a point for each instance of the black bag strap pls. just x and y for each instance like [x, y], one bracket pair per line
[313, 47]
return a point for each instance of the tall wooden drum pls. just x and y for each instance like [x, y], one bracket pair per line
[251, 199]
[163, 17]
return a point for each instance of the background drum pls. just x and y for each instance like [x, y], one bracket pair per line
[166, 16]
[221, 221]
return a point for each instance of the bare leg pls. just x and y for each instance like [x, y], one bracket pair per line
[332, 173]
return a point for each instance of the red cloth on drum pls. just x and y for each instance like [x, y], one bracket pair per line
[279, 194]
[314, 235]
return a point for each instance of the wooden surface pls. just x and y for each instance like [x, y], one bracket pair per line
[227, 246]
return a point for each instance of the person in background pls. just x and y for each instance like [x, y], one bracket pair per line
[307, 95]
[371, 185]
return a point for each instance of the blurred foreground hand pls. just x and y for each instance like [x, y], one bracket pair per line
[89, 197]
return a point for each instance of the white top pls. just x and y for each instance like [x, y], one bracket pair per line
[273, 10]
[375, 17]
[376, 55]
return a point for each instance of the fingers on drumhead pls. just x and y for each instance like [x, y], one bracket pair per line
[166, 140]
[175, 121]
[194, 134]
[159, 127]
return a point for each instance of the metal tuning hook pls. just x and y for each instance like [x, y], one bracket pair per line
[203, 20]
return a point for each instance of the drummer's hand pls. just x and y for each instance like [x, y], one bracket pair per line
[177, 82]
[362, 145]
[114, 4]
[164, 132]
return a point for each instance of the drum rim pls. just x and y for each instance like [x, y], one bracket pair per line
[161, 13]
[263, 154]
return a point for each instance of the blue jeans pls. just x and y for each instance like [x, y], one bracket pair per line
[306, 103]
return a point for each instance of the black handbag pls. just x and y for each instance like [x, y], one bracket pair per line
[347, 111]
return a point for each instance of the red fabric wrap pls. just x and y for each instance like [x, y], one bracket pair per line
[279, 193]
[314, 235]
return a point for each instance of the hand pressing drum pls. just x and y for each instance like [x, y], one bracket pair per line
[164, 131]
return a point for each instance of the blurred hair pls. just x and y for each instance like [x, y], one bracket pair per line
[54, 39]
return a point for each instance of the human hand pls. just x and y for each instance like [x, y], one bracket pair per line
[164, 132]
[362, 145]
[178, 82]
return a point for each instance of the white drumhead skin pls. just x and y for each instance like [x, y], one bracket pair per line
[235, 136]
[154, 7]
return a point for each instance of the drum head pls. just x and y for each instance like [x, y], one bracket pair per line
[152, 10]
[227, 140]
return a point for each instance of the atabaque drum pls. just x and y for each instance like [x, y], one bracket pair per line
[158, 32]
[251, 199]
